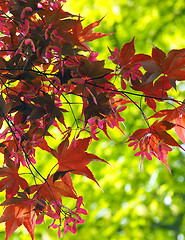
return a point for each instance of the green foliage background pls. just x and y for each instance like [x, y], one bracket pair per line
[134, 205]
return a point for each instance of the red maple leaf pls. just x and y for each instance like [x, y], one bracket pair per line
[74, 158]
[19, 211]
[153, 91]
[86, 34]
[12, 181]
[53, 190]
[176, 116]
[171, 65]
[180, 127]
[128, 61]
[154, 141]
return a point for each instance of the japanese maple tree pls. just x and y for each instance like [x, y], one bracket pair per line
[45, 65]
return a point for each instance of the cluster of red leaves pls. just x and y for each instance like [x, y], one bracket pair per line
[154, 76]
[44, 62]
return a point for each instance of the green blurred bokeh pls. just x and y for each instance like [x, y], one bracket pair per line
[133, 205]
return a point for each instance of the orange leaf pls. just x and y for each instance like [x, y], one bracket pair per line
[52, 191]
[180, 128]
[20, 212]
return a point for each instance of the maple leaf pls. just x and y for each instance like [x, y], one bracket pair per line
[91, 75]
[171, 65]
[22, 109]
[99, 107]
[18, 211]
[180, 127]
[12, 181]
[103, 110]
[154, 141]
[74, 158]
[93, 69]
[86, 34]
[47, 106]
[176, 116]
[53, 190]
[128, 61]
[153, 91]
